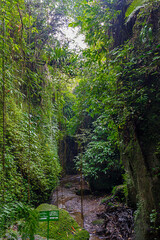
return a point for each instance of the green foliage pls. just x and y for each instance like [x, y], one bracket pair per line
[34, 71]
[42, 166]
[98, 222]
[153, 216]
[95, 18]
[65, 228]
[98, 157]
[134, 5]
[113, 88]
[23, 217]
[119, 91]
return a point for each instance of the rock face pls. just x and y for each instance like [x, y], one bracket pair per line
[141, 163]
[68, 149]
[140, 145]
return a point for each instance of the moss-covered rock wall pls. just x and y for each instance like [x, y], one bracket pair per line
[140, 151]
[144, 183]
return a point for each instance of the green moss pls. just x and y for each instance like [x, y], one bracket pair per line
[68, 185]
[81, 235]
[98, 222]
[46, 207]
[104, 200]
[65, 228]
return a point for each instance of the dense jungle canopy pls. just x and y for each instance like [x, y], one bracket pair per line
[64, 107]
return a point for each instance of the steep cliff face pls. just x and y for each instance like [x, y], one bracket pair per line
[140, 163]
[140, 151]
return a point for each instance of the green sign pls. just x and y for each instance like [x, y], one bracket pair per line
[54, 215]
[47, 216]
[43, 216]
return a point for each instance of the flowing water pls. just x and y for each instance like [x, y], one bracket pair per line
[65, 197]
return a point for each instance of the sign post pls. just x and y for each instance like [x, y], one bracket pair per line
[47, 216]
[48, 231]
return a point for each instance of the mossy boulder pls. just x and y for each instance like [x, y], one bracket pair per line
[65, 228]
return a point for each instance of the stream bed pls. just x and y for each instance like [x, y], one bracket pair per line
[67, 196]
[111, 220]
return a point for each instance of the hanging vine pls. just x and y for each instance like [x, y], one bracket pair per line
[29, 109]
[3, 101]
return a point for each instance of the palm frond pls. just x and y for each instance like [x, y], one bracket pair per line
[134, 5]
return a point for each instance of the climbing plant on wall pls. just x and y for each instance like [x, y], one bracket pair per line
[28, 113]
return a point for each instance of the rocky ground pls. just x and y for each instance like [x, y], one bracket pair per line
[110, 220]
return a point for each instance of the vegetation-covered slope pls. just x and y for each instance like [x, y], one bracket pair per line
[32, 80]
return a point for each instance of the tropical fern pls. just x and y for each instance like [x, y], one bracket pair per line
[21, 215]
[134, 4]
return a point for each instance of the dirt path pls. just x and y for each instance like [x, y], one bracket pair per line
[65, 197]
